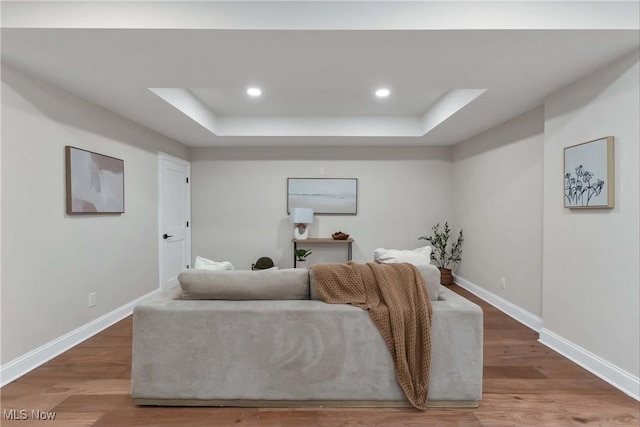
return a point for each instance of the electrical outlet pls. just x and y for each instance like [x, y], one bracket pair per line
[322, 170]
[503, 282]
[92, 299]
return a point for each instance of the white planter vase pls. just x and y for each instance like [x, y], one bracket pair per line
[302, 264]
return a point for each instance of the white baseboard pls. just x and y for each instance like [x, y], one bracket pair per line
[523, 316]
[599, 367]
[20, 366]
[613, 375]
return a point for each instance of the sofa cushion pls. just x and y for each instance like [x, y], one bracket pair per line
[287, 284]
[419, 256]
[430, 275]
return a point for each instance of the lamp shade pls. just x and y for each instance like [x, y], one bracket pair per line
[301, 216]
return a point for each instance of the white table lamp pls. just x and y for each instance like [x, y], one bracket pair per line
[301, 217]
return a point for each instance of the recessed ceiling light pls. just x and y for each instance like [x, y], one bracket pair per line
[254, 91]
[382, 93]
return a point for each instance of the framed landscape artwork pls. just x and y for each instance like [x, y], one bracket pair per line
[323, 195]
[95, 182]
[589, 174]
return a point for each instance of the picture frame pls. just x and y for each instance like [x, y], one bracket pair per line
[589, 175]
[331, 196]
[95, 182]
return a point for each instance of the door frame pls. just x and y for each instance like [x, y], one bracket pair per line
[164, 156]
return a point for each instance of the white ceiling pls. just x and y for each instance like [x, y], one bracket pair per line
[317, 84]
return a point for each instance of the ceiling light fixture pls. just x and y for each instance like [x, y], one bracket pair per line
[254, 92]
[382, 93]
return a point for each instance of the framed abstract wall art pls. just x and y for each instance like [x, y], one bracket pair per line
[95, 182]
[323, 195]
[589, 174]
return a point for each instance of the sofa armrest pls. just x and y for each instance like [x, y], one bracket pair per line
[457, 347]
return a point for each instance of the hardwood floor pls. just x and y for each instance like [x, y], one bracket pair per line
[525, 384]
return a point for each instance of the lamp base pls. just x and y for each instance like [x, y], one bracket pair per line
[300, 236]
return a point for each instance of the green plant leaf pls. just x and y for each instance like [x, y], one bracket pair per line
[439, 242]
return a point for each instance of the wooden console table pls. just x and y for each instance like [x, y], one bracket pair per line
[321, 240]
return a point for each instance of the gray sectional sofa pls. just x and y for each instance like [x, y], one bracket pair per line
[259, 338]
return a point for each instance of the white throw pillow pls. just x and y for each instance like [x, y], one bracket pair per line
[419, 256]
[207, 264]
[425, 250]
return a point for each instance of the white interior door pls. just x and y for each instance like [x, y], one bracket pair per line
[174, 219]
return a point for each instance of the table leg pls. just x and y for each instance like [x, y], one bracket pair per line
[295, 247]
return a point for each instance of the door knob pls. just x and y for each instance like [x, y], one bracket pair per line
[166, 236]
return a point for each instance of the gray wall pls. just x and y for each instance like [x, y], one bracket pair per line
[239, 199]
[50, 261]
[577, 269]
[591, 278]
[497, 178]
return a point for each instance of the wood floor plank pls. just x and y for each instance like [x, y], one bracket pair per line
[522, 372]
[95, 403]
[95, 387]
[163, 417]
[61, 420]
[525, 384]
[34, 400]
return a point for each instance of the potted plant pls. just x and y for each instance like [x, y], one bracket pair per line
[443, 257]
[301, 257]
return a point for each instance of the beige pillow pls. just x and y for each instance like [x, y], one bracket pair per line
[287, 284]
[274, 268]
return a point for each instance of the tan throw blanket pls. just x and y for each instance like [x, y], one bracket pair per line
[397, 300]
